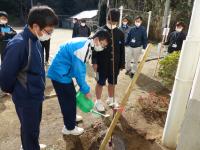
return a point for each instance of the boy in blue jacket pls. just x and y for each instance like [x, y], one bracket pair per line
[22, 72]
[69, 63]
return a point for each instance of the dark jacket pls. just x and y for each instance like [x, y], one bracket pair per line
[104, 59]
[9, 34]
[175, 41]
[83, 31]
[137, 37]
[75, 30]
[29, 88]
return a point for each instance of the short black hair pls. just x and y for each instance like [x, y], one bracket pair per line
[138, 17]
[43, 16]
[102, 35]
[3, 13]
[83, 20]
[113, 15]
[126, 17]
[180, 23]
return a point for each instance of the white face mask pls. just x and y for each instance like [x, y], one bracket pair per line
[137, 24]
[74, 21]
[179, 29]
[111, 26]
[44, 37]
[96, 48]
[83, 24]
[125, 23]
[3, 22]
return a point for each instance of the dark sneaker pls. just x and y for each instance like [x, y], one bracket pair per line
[131, 75]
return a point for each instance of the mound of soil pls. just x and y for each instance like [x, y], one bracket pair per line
[154, 107]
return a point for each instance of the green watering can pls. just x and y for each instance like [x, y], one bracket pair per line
[87, 105]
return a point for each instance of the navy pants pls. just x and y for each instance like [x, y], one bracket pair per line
[30, 118]
[67, 99]
[46, 47]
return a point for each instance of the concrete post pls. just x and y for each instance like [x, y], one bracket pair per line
[149, 21]
[184, 78]
[121, 15]
[166, 13]
[189, 138]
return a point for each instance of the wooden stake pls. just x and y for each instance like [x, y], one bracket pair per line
[125, 98]
[159, 56]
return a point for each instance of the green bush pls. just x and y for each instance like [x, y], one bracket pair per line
[168, 67]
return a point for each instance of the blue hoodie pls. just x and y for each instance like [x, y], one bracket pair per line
[29, 88]
[69, 63]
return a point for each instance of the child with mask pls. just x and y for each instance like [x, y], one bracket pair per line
[136, 41]
[125, 27]
[69, 63]
[6, 33]
[103, 64]
[75, 27]
[176, 38]
[83, 30]
[22, 72]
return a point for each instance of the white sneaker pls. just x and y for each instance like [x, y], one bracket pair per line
[75, 131]
[112, 103]
[79, 118]
[42, 146]
[99, 106]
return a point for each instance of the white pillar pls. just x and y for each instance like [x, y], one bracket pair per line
[184, 78]
[149, 21]
[166, 13]
[121, 15]
[189, 138]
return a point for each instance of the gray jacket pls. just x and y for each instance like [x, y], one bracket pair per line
[125, 30]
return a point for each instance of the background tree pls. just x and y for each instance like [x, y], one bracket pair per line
[181, 10]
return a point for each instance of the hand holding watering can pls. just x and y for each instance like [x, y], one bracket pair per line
[86, 104]
[88, 96]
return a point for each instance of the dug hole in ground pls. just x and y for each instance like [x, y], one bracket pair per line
[139, 128]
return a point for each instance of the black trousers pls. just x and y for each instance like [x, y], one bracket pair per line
[46, 47]
[67, 99]
[30, 118]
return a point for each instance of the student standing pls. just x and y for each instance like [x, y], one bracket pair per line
[125, 27]
[46, 47]
[6, 31]
[22, 72]
[6, 34]
[83, 30]
[108, 63]
[176, 38]
[136, 41]
[75, 27]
